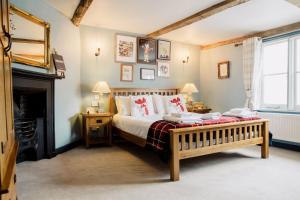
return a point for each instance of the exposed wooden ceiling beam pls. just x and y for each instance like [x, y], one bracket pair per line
[198, 16]
[80, 11]
[295, 2]
[263, 34]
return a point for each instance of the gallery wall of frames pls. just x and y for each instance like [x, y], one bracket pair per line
[131, 51]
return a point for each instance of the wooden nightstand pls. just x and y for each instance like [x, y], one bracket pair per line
[92, 124]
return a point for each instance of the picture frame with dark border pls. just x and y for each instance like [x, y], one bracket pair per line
[223, 70]
[147, 74]
[146, 51]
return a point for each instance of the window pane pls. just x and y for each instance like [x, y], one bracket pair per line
[275, 58]
[298, 55]
[298, 89]
[275, 89]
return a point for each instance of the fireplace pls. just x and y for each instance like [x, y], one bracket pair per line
[34, 114]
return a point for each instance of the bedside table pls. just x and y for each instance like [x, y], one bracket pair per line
[93, 123]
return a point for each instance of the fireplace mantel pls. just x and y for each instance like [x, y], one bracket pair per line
[32, 74]
[26, 80]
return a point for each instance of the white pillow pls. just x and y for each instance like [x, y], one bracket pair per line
[123, 105]
[158, 102]
[141, 106]
[175, 104]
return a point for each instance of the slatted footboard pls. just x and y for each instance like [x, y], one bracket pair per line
[197, 141]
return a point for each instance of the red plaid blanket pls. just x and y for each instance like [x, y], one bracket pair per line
[158, 137]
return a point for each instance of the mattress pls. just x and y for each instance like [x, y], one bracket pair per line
[137, 126]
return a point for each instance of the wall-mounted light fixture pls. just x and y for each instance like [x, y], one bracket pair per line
[97, 53]
[186, 60]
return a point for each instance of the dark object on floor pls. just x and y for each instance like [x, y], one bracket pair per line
[30, 136]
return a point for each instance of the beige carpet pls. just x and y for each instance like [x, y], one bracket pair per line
[129, 172]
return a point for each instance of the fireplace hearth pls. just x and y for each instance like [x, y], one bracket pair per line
[34, 114]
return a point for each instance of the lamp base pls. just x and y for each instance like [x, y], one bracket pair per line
[101, 104]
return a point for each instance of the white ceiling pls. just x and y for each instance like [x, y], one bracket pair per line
[145, 16]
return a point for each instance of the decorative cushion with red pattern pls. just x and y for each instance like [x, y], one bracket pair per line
[175, 104]
[141, 106]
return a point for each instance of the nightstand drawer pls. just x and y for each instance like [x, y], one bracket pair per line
[99, 120]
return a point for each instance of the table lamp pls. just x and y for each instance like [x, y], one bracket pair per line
[101, 87]
[189, 89]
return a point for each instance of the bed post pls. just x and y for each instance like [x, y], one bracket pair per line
[111, 105]
[265, 144]
[174, 162]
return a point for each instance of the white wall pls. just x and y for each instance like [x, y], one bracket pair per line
[222, 94]
[65, 38]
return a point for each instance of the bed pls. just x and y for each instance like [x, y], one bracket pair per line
[192, 141]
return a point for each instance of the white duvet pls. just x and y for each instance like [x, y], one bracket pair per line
[137, 126]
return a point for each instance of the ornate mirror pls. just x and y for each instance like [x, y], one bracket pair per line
[30, 38]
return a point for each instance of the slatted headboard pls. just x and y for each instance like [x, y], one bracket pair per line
[137, 91]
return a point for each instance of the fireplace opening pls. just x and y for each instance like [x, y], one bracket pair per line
[30, 112]
[34, 114]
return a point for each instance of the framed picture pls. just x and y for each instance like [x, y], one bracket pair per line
[125, 49]
[146, 51]
[164, 50]
[126, 72]
[163, 69]
[147, 74]
[223, 70]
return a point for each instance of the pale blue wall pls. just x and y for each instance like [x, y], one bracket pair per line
[105, 68]
[73, 94]
[65, 38]
[222, 95]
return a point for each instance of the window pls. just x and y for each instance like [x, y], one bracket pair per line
[281, 74]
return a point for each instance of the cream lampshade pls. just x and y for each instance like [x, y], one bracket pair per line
[189, 89]
[101, 87]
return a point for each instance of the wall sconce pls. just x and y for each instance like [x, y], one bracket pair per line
[97, 53]
[186, 61]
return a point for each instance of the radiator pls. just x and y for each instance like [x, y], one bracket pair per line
[284, 126]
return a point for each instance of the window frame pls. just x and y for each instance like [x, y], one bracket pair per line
[297, 37]
[291, 105]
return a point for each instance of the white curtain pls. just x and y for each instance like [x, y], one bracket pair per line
[252, 71]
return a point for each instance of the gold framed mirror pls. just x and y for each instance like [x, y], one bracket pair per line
[30, 38]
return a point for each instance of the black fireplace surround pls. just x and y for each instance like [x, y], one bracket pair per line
[34, 93]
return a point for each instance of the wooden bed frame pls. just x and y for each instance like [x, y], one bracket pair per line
[195, 141]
